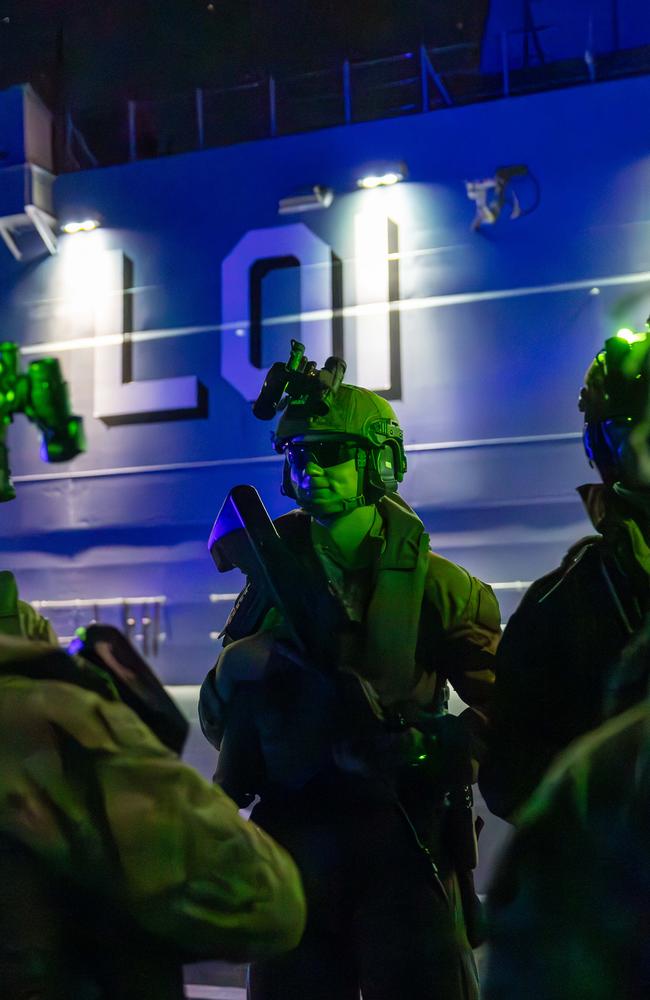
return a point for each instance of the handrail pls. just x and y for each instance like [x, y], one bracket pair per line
[442, 76]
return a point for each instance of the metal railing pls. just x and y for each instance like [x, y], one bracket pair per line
[425, 79]
[140, 618]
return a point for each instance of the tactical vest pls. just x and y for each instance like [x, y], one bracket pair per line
[391, 630]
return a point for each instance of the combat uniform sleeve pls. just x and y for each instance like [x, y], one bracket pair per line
[160, 842]
[466, 612]
[569, 906]
[519, 741]
[241, 661]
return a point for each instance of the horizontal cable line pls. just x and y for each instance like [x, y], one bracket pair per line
[135, 470]
[365, 309]
[495, 442]
[57, 299]
[117, 339]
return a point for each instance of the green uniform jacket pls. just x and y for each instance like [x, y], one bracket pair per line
[121, 848]
[417, 619]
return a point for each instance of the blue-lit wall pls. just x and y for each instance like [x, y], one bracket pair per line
[496, 328]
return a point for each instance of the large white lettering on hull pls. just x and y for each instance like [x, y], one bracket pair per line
[368, 337]
[119, 399]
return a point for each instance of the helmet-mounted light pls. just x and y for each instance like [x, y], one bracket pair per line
[631, 336]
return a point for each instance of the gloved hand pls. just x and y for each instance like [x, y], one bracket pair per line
[242, 661]
[249, 659]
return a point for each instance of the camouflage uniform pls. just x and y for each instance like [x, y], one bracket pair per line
[19, 618]
[118, 862]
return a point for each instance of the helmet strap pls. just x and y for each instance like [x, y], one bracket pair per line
[345, 507]
[352, 504]
[361, 462]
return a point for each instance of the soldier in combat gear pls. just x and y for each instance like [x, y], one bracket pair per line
[361, 775]
[117, 861]
[570, 901]
[555, 665]
[41, 394]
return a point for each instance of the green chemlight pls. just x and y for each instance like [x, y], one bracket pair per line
[630, 336]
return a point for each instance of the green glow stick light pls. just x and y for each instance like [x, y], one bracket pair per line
[42, 395]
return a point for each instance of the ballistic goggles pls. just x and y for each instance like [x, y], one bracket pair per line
[324, 452]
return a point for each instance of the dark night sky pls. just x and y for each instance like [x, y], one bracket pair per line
[106, 49]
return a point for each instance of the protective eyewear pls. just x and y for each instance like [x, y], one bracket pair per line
[324, 453]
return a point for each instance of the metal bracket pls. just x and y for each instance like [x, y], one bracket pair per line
[43, 222]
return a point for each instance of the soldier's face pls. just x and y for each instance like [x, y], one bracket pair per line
[319, 486]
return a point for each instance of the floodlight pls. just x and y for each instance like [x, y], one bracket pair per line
[385, 179]
[84, 226]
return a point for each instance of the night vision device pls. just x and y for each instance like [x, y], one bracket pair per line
[42, 395]
[297, 381]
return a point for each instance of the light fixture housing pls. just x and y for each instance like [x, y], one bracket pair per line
[308, 200]
[82, 226]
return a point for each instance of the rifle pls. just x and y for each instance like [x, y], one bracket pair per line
[135, 682]
[244, 535]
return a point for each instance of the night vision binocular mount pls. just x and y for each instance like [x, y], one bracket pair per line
[298, 382]
[41, 393]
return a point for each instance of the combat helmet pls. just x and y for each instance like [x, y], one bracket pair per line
[316, 405]
[614, 400]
